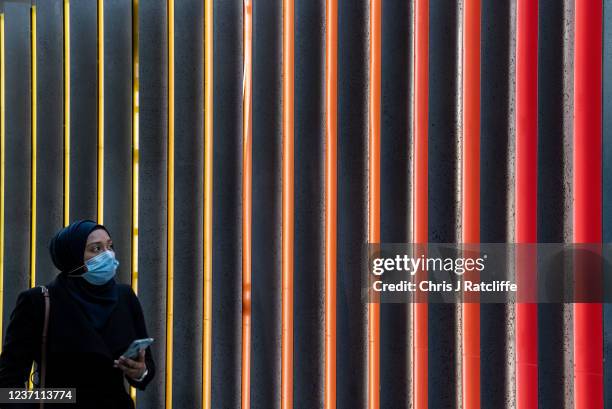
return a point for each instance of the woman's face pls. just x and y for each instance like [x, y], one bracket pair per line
[98, 241]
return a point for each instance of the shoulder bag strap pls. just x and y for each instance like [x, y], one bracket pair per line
[43, 352]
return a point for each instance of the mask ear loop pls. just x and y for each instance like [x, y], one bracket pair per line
[75, 269]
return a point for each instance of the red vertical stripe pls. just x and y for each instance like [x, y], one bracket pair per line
[471, 193]
[588, 333]
[526, 198]
[420, 195]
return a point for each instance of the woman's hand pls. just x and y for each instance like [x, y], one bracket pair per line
[134, 368]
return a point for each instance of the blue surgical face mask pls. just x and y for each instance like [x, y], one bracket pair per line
[101, 268]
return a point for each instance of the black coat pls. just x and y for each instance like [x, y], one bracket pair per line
[78, 355]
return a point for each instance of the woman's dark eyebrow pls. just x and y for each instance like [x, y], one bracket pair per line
[99, 242]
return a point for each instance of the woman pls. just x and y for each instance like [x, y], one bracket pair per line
[92, 321]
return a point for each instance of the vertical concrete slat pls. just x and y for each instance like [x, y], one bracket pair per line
[18, 155]
[309, 250]
[153, 205]
[553, 195]
[352, 201]
[118, 131]
[444, 57]
[267, 162]
[395, 172]
[227, 210]
[50, 183]
[188, 205]
[496, 122]
[2, 159]
[83, 111]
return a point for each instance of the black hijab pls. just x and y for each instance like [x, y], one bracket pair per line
[67, 248]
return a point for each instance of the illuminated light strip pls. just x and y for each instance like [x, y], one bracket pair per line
[247, 203]
[33, 76]
[331, 200]
[471, 195]
[420, 311]
[135, 143]
[100, 111]
[208, 202]
[374, 196]
[588, 328]
[66, 108]
[2, 165]
[135, 159]
[33, 135]
[526, 199]
[287, 206]
[170, 277]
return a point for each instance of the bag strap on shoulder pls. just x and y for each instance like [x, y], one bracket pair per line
[43, 352]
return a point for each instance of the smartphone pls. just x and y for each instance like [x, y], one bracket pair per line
[136, 346]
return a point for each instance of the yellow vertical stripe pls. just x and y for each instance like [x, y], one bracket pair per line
[135, 145]
[100, 111]
[208, 198]
[170, 283]
[2, 162]
[66, 112]
[34, 132]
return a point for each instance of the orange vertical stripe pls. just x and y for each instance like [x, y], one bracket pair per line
[471, 193]
[287, 208]
[420, 194]
[247, 194]
[331, 200]
[374, 196]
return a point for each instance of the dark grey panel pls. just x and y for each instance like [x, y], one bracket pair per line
[83, 110]
[494, 179]
[152, 201]
[118, 130]
[353, 54]
[552, 208]
[18, 144]
[227, 205]
[266, 273]
[188, 202]
[396, 170]
[50, 138]
[444, 57]
[309, 243]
